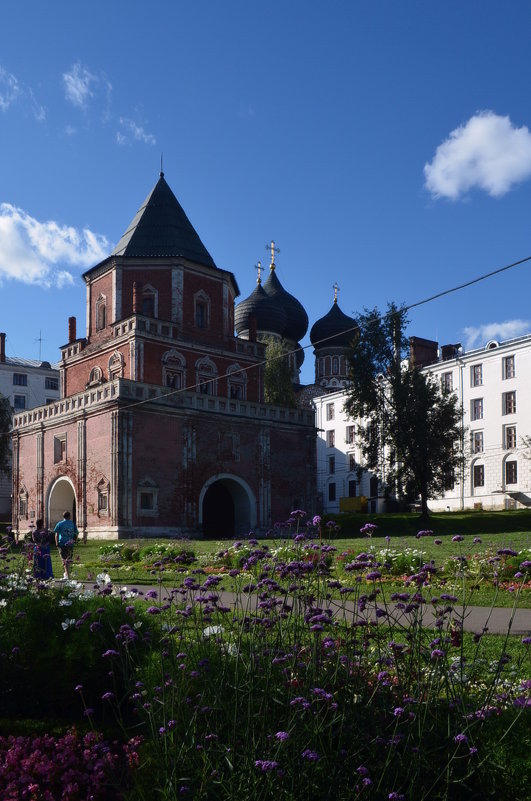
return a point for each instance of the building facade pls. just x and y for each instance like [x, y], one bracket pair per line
[161, 426]
[25, 383]
[493, 389]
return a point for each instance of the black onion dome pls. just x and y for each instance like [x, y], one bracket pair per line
[297, 319]
[335, 328]
[268, 312]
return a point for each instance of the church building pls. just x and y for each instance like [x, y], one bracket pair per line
[161, 427]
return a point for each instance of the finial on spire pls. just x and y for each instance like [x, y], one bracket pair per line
[258, 268]
[272, 249]
[161, 170]
[336, 291]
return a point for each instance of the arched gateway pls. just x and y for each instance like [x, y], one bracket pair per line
[227, 507]
[61, 499]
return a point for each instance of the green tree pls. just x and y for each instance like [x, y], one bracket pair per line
[6, 414]
[278, 386]
[411, 430]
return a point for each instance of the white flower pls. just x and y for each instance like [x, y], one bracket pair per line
[102, 579]
[65, 602]
[210, 630]
[70, 621]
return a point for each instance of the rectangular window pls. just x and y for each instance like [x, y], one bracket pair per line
[511, 473]
[351, 462]
[19, 403]
[477, 441]
[330, 411]
[102, 502]
[510, 437]
[20, 379]
[59, 449]
[476, 375]
[476, 409]
[331, 492]
[508, 367]
[331, 464]
[479, 475]
[351, 433]
[509, 402]
[447, 383]
[351, 489]
[330, 439]
[51, 383]
[146, 500]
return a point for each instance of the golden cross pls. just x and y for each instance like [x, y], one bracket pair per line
[258, 268]
[336, 291]
[271, 247]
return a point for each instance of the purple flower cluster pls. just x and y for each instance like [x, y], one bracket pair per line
[70, 767]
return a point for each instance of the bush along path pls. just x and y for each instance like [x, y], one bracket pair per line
[298, 685]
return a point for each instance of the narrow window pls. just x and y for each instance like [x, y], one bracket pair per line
[331, 492]
[477, 409]
[331, 464]
[477, 442]
[478, 475]
[476, 375]
[330, 411]
[508, 367]
[511, 473]
[330, 439]
[510, 437]
[509, 402]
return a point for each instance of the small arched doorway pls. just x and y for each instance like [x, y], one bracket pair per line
[227, 507]
[61, 499]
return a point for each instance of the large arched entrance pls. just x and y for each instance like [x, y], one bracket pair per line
[61, 499]
[227, 507]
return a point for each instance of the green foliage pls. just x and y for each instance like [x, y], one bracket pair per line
[278, 386]
[411, 430]
[6, 413]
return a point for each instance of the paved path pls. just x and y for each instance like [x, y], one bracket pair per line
[476, 619]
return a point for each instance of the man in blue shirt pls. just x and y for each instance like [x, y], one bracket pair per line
[65, 536]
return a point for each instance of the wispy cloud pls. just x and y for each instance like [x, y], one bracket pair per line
[130, 130]
[476, 336]
[35, 252]
[488, 152]
[9, 89]
[13, 92]
[78, 83]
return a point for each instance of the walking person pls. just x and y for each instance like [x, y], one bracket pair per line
[65, 536]
[42, 558]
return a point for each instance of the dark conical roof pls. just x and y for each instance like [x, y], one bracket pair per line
[161, 228]
[269, 313]
[297, 319]
[336, 328]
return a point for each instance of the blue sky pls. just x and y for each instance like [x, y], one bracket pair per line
[382, 145]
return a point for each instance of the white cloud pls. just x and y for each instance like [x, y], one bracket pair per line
[36, 252]
[9, 89]
[480, 335]
[488, 152]
[78, 82]
[135, 131]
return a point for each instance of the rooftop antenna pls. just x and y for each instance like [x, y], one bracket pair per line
[40, 340]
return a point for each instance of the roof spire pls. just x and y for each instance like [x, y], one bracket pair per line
[335, 287]
[161, 170]
[258, 268]
[272, 249]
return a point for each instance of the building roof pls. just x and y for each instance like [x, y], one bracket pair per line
[18, 361]
[335, 329]
[161, 228]
[269, 314]
[296, 317]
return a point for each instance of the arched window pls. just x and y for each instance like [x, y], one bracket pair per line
[335, 365]
[95, 377]
[320, 363]
[173, 370]
[206, 376]
[101, 312]
[201, 310]
[236, 382]
[103, 488]
[150, 301]
[116, 365]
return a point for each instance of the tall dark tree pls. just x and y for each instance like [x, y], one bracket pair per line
[411, 432]
[6, 413]
[278, 386]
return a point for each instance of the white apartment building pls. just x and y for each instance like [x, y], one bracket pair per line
[26, 383]
[493, 387]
